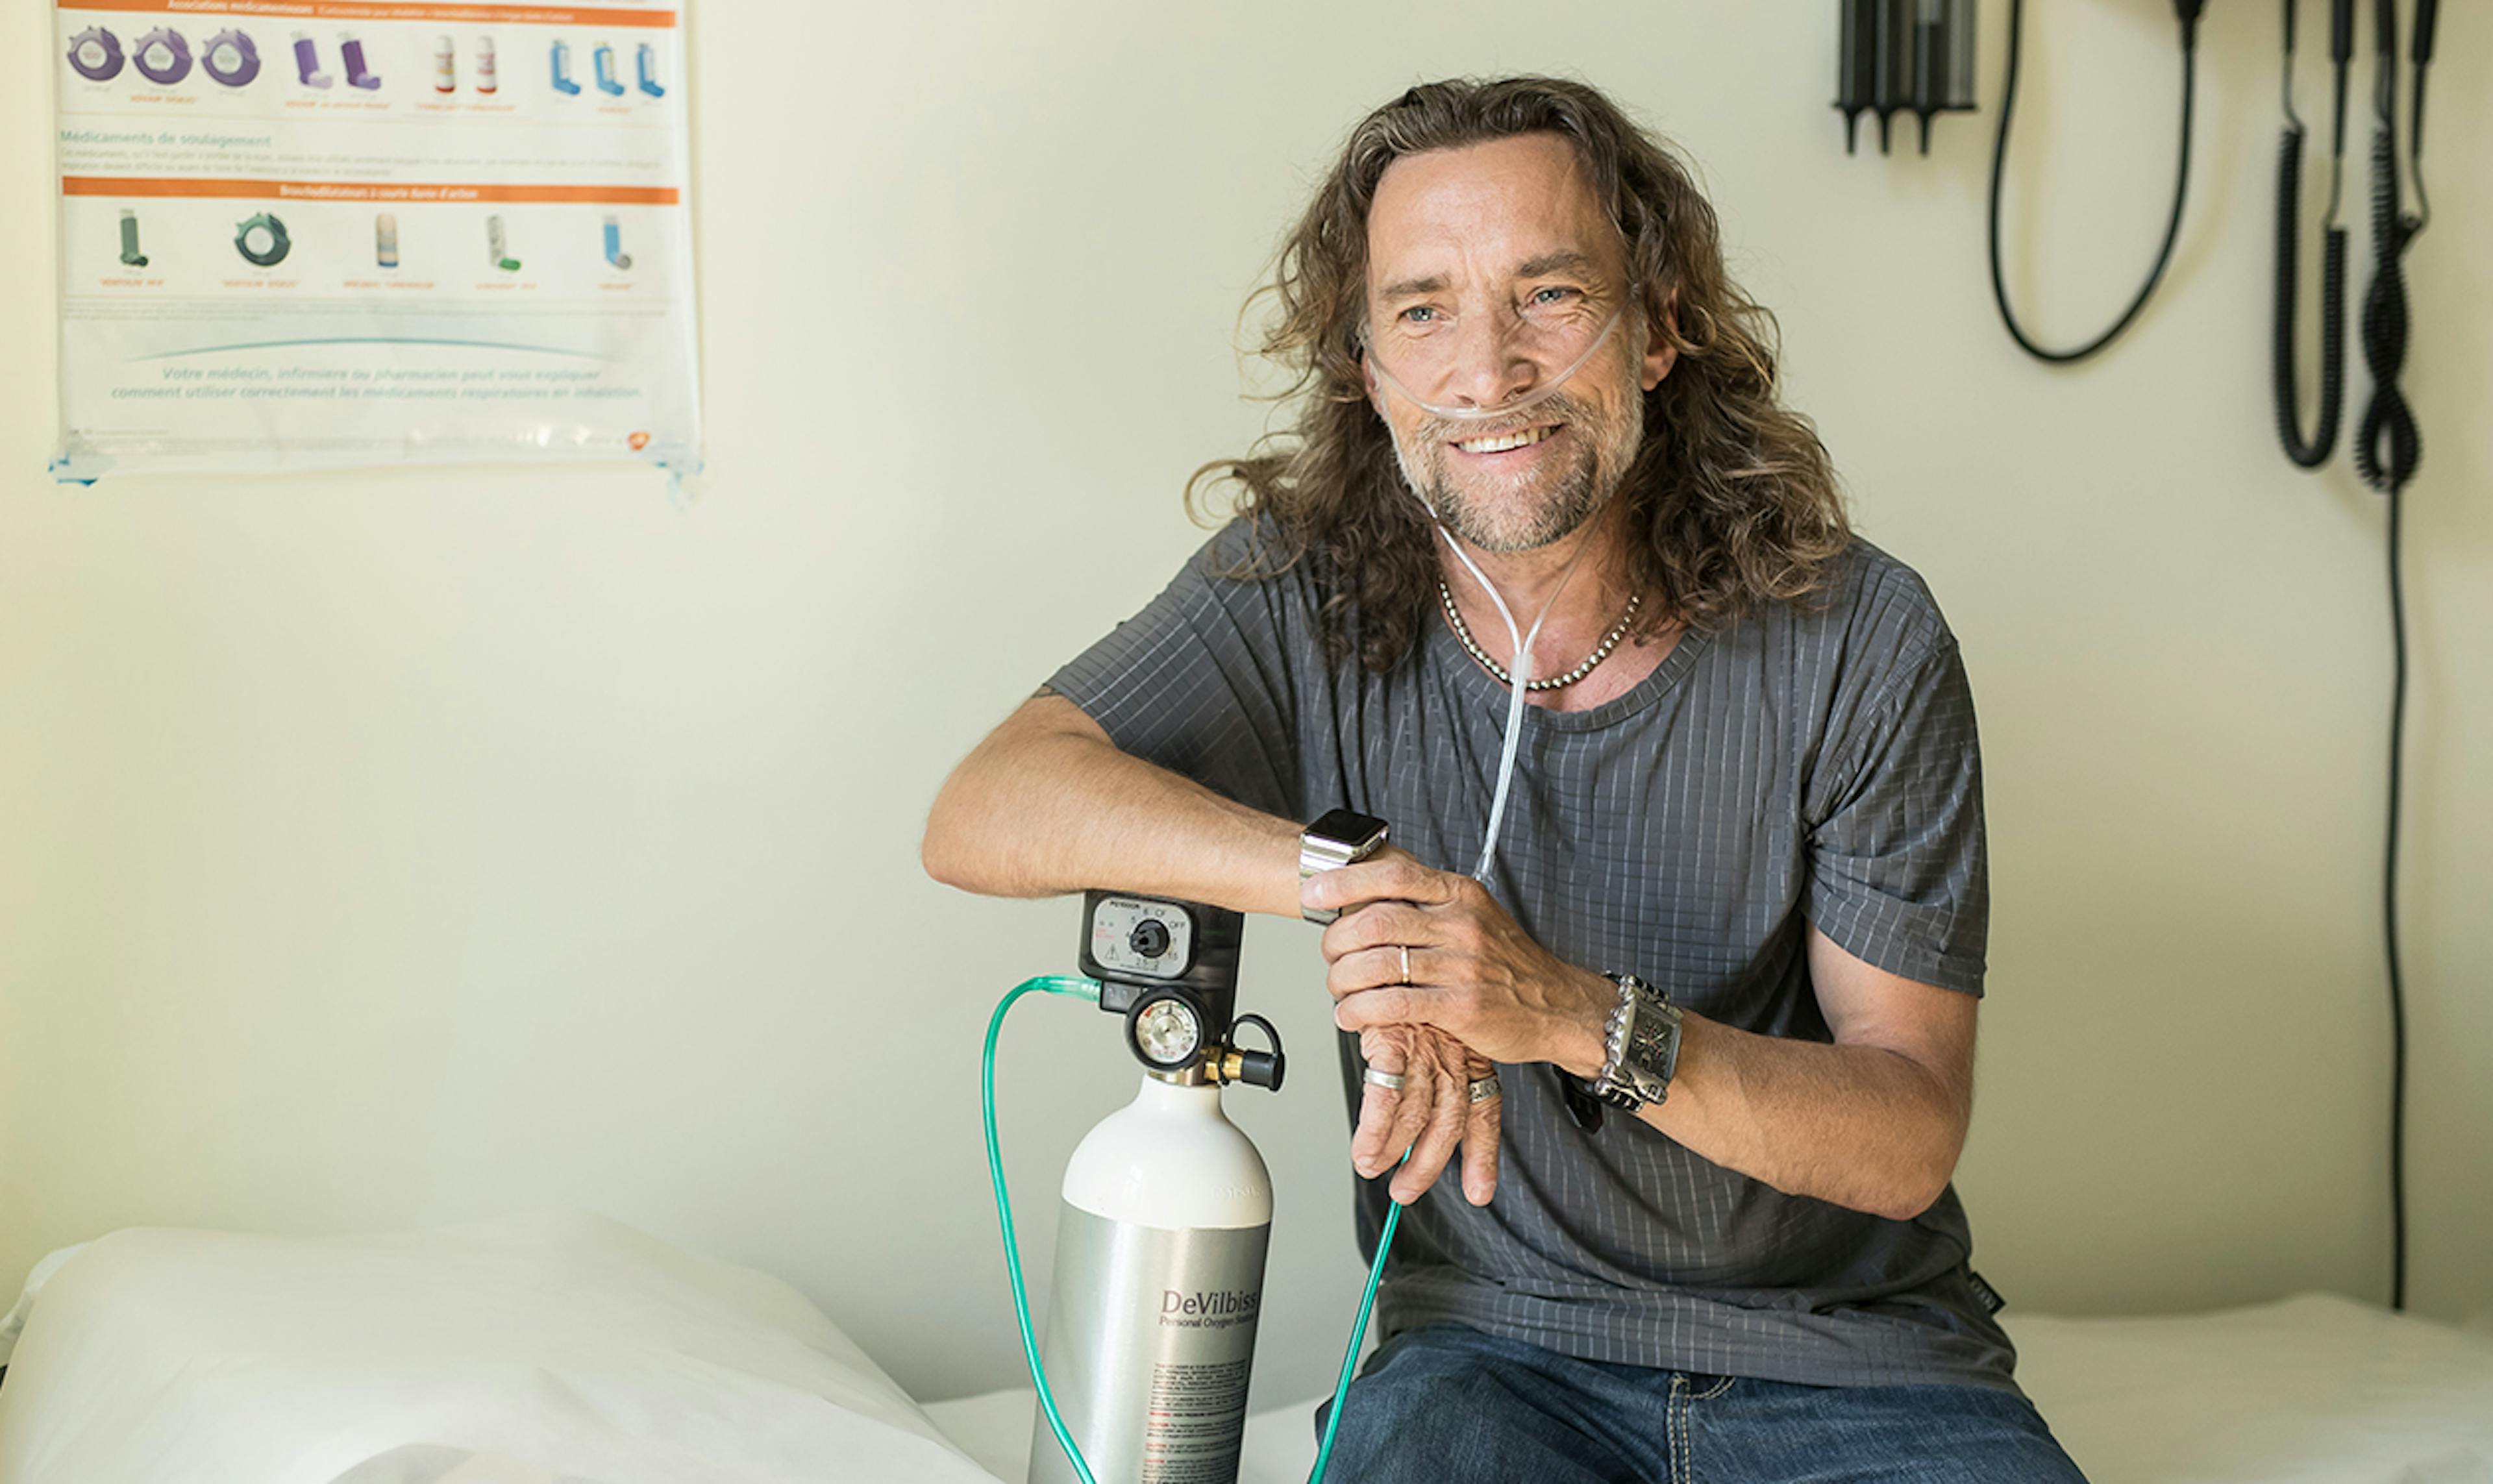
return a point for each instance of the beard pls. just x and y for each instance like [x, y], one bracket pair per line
[1526, 512]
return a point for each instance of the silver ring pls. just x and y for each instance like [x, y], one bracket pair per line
[1406, 951]
[1486, 1089]
[1391, 1081]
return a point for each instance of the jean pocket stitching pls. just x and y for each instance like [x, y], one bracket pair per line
[1720, 1387]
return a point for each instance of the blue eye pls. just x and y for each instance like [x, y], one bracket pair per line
[1552, 295]
[1420, 315]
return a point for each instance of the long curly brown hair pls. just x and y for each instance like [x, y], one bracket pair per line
[1732, 492]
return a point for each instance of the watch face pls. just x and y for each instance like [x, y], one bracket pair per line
[1360, 832]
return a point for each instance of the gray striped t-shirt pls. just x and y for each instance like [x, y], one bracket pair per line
[1811, 764]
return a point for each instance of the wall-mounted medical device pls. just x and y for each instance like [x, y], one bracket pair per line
[1903, 56]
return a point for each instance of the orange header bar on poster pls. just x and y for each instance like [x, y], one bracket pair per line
[393, 10]
[368, 191]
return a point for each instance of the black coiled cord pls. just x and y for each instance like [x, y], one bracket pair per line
[2390, 446]
[2387, 449]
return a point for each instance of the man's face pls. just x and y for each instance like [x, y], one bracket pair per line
[1490, 270]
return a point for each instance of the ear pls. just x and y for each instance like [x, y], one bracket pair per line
[1661, 352]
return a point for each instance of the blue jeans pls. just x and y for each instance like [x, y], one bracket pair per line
[1443, 1404]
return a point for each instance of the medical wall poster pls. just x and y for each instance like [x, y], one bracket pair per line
[316, 234]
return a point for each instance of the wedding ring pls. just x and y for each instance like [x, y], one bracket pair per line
[1406, 951]
[1486, 1089]
[1391, 1081]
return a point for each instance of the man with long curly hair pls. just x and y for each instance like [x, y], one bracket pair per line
[1687, 966]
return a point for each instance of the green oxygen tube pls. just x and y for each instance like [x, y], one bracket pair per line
[1092, 991]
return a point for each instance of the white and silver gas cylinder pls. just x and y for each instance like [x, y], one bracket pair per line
[1167, 1210]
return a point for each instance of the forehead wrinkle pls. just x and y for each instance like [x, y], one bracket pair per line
[1477, 212]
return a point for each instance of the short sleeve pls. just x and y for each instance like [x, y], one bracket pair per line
[1898, 874]
[1201, 680]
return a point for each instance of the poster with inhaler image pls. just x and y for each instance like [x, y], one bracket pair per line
[328, 234]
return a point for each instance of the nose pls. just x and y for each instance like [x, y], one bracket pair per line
[1488, 366]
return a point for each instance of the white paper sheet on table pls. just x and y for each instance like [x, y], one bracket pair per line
[2315, 1389]
[530, 1351]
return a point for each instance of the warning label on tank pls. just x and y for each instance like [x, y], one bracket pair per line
[1150, 1334]
[1198, 1423]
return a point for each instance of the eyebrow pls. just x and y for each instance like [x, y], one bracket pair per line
[1563, 260]
[1405, 287]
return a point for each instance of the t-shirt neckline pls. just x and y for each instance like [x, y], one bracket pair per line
[1479, 684]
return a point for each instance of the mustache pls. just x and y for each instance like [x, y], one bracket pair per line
[1558, 408]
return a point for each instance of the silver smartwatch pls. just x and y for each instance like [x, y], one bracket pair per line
[1641, 1046]
[1339, 838]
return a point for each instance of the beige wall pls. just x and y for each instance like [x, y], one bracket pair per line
[400, 848]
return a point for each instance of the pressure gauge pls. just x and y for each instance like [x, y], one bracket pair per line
[1167, 1032]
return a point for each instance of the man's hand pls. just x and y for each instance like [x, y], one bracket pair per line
[1472, 973]
[1429, 1114]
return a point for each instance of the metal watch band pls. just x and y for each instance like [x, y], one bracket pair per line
[1339, 838]
[1640, 1045]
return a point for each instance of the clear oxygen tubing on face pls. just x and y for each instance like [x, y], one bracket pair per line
[1519, 669]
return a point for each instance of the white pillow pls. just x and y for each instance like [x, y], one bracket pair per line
[530, 1350]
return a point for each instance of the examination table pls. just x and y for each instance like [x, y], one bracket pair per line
[573, 1349]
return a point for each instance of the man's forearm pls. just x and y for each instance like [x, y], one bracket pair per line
[1861, 1126]
[1047, 804]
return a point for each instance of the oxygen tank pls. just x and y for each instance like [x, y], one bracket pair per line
[1159, 1246]
[1159, 1278]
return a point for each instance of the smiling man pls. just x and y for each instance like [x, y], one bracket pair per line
[1670, 995]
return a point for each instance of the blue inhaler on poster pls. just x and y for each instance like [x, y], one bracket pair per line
[603, 60]
[647, 64]
[562, 82]
[615, 252]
